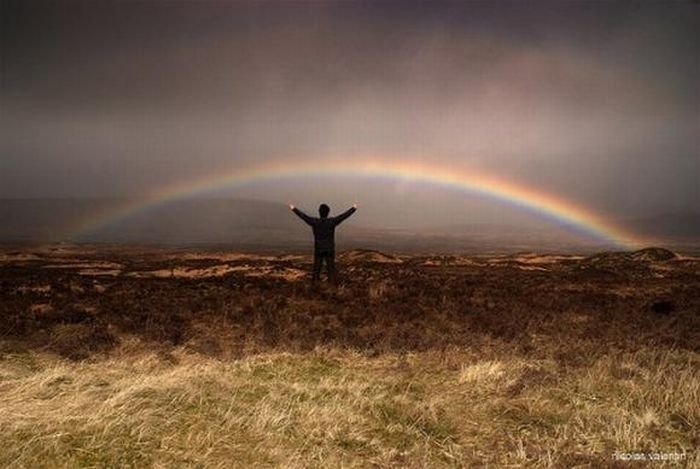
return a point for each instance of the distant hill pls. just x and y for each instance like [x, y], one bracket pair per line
[194, 221]
[254, 224]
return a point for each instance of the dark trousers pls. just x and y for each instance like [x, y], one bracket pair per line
[319, 259]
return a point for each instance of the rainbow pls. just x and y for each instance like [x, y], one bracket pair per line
[548, 205]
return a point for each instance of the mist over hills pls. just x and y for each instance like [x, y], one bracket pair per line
[255, 224]
[681, 226]
[195, 221]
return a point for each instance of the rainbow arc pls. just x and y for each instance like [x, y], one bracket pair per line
[548, 205]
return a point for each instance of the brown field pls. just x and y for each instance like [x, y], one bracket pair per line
[168, 358]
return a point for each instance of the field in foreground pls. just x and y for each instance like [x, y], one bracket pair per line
[126, 357]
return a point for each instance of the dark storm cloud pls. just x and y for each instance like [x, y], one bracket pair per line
[597, 101]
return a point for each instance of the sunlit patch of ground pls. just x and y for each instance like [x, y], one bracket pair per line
[272, 272]
[185, 272]
[88, 268]
[99, 272]
[533, 258]
[221, 270]
[451, 260]
[86, 265]
[369, 255]
[226, 257]
[33, 289]
[18, 257]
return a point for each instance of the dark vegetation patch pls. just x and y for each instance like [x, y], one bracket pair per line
[610, 300]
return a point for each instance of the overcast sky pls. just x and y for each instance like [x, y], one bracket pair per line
[595, 101]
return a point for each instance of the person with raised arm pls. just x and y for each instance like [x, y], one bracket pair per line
[324, 238]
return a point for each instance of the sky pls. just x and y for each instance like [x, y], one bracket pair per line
[596, 102]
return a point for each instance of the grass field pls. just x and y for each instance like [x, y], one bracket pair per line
[167, 361]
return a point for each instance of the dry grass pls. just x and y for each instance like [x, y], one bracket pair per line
[334, 408]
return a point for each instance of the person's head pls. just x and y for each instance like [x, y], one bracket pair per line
[324, 210]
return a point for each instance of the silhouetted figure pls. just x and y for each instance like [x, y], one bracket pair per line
[324, 238]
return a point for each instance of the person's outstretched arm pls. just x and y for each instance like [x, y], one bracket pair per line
[344, 216]
[302, 215]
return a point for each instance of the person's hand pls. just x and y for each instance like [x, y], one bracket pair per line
[291, 206]
[354, 205]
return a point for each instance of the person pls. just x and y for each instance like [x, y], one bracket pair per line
[324, 238]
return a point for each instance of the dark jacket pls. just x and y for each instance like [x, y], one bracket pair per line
[324, 229]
